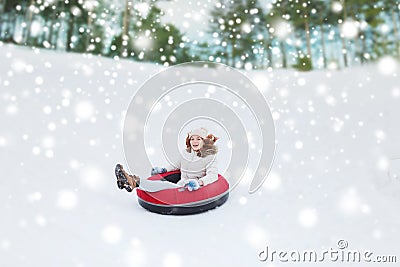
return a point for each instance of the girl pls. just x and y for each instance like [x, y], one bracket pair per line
[197, 164]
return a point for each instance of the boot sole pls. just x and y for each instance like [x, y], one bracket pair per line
[122, 182]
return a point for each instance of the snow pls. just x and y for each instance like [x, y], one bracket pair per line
[350, 29]
[335, 175]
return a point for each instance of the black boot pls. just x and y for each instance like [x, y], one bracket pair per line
[122, 182]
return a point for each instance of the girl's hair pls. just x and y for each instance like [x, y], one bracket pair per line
[210, 138]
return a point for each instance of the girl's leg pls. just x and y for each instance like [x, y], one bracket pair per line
[148, 185]
[154, 186]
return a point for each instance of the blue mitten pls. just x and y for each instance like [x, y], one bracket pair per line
[192, 184]
[157, 170]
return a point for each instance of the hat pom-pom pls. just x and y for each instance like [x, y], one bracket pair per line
[212, 137]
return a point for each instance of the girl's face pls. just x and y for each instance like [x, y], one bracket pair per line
[196, 142]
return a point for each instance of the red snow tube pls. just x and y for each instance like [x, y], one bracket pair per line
[179, 201]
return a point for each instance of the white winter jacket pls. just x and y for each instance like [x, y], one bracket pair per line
[204, 167]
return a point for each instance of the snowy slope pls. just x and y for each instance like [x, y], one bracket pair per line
[334, 175]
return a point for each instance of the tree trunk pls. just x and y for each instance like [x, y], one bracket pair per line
[29, 19]
[89, 30]
[376, 47]
[70, 32]
[10, 27]
[364, 48]
[395, 33]
[342, 39]
[57, 30]
[283, 52]
[52, 25]
[344, 50]
[308, 39]
[344, 9]
[356, 44]
[126, 20]
[2, 8]
[323, 47]
[125, 27]
[226, 53]
[233, 52]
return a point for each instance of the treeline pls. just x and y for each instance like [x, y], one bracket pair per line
[241, 33]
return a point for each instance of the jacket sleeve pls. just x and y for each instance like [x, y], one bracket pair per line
[176, 165]
[211, 172]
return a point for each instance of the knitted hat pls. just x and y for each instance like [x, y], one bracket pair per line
[202, 132]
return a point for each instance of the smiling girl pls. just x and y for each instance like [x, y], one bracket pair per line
[197, 165]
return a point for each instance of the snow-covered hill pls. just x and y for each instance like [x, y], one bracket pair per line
[335, 175]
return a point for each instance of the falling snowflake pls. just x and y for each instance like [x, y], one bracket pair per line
[299, 145]
[349, 29]
[387, 66]
[67, 199]
[92, 177]
[112, 234]
[350, 201]
[273, 182]
[84, 110]
[308, 217]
